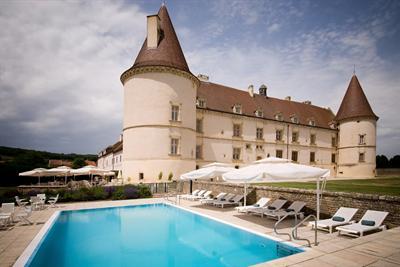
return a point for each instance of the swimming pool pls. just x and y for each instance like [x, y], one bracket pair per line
[150, 235]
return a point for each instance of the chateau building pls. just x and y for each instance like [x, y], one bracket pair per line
[175, 122]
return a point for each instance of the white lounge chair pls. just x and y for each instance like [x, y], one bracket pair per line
[202, 192]
[293, 210]
[203, 196]
[211, 200]
[194, 193]
[342, 216]
[23, 214]
[53, 200]
[275, 205]
[235, 201]
[372, 220]
[227, 197]
[261, 203]
[6, 214]
[21, 202]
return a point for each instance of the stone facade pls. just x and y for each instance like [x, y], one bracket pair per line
[331, 201]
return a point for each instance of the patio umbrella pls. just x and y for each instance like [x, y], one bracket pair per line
[275, 169]
[208, 171]
[38, 172]
[91, 170]
[59, 171]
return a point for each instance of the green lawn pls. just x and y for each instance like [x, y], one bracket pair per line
[380, 186]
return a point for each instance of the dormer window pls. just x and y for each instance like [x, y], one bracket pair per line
[201, 103]
[294, 119]
[237, 109]
[311, 122]
[259, 113]
[279, 117]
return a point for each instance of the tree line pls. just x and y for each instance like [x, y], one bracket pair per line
[383, 162]
[16, 160]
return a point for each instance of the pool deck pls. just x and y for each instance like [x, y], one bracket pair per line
[378, 249]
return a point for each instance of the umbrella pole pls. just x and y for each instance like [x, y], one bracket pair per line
[39, 180]
[318, 199]
[245, 193]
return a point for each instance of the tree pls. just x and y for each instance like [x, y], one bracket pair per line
[78, 163]
[395, 162]
[382, 162]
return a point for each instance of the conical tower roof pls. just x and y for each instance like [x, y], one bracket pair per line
[168, 52]
[355, 103]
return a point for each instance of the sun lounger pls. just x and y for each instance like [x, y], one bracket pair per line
[203, 196]
[235, 201]
[211, 200]
[5, 220]
[223, 199]
[276, 205]
[194, 193]
[342, 216]
[293, 210]
[371, 221]
[201, 193]
[6, 213]
[261, 203]
[53, 200]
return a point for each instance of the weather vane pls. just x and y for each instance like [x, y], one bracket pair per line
[354, 70]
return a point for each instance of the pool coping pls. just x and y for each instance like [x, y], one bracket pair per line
[33, 246]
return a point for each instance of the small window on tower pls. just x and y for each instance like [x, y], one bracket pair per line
[174, 113]
[361, 157]
[362, 139]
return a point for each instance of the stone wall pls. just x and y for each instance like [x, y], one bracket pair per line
[388, 172]
[331, 201]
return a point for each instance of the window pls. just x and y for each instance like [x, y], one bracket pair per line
[312, 139]
[174, 113]
[333, 141]
[248, 146]
[199, 125]
[295, 137]
[236, 153]
[237, 130]
[141, 175]
[259, 113]
[199, 152]
[278, 117]
[259, 147]
[201, 103]
[312, 157]
[260, 133]
[333, 158]
[174, 146]
[294, 119]
[237, 109]
[294, 155]
[279, 134]
[279, 153]
[362, 139]
[311, 122]
[361, 157]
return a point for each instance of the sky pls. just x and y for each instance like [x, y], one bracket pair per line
[60, 61]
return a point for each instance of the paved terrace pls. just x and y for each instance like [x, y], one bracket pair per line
[379, 249]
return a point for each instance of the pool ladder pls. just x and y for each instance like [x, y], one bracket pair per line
[294, 235]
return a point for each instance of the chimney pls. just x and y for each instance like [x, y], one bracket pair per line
[288, 98]
[251, 90]
[203, 78]
[263, 90]
[153, 31]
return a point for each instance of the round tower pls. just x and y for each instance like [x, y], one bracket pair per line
[357, 134]
[159, 125]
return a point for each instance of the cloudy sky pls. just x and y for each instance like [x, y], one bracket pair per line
[60, 61]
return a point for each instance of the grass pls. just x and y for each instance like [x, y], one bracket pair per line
[378, 186]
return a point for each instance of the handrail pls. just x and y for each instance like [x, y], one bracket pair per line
[294, 231]
[276, 224]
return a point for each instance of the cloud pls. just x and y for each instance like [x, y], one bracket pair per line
[59, 73]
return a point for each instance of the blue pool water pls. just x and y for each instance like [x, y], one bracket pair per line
[150, 235]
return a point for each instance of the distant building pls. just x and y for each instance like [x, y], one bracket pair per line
[53, 163]
[175, 122]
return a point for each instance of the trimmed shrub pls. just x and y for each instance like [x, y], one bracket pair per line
[118, 193]
[99, 193]
[144, 191]
[131, 192]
